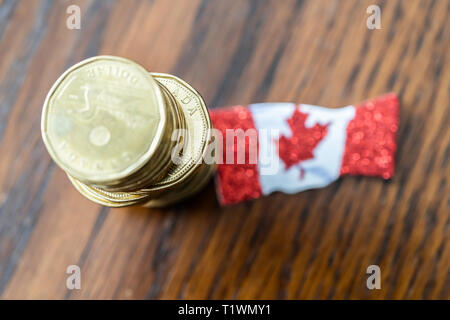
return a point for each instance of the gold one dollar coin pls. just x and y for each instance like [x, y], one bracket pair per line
[103, 119]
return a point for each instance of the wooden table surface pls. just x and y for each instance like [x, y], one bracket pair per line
[316, 244]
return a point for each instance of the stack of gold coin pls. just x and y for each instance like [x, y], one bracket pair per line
[125, 136]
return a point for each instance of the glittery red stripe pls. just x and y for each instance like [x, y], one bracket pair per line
[371, 138]
[235, 182]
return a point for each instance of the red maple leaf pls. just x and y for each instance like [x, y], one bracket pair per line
[304, 140]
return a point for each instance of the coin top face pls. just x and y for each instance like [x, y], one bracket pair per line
[103, 119]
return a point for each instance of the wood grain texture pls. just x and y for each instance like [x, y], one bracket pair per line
[316, 244]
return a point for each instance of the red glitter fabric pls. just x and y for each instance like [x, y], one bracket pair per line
[371, 138]
[304, 140]
[236, 182]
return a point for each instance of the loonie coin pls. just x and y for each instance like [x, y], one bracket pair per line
[103, 120]
[125, 136]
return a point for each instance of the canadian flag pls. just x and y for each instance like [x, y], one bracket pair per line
[301, 146]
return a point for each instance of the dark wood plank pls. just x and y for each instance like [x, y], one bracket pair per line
[316, 244]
